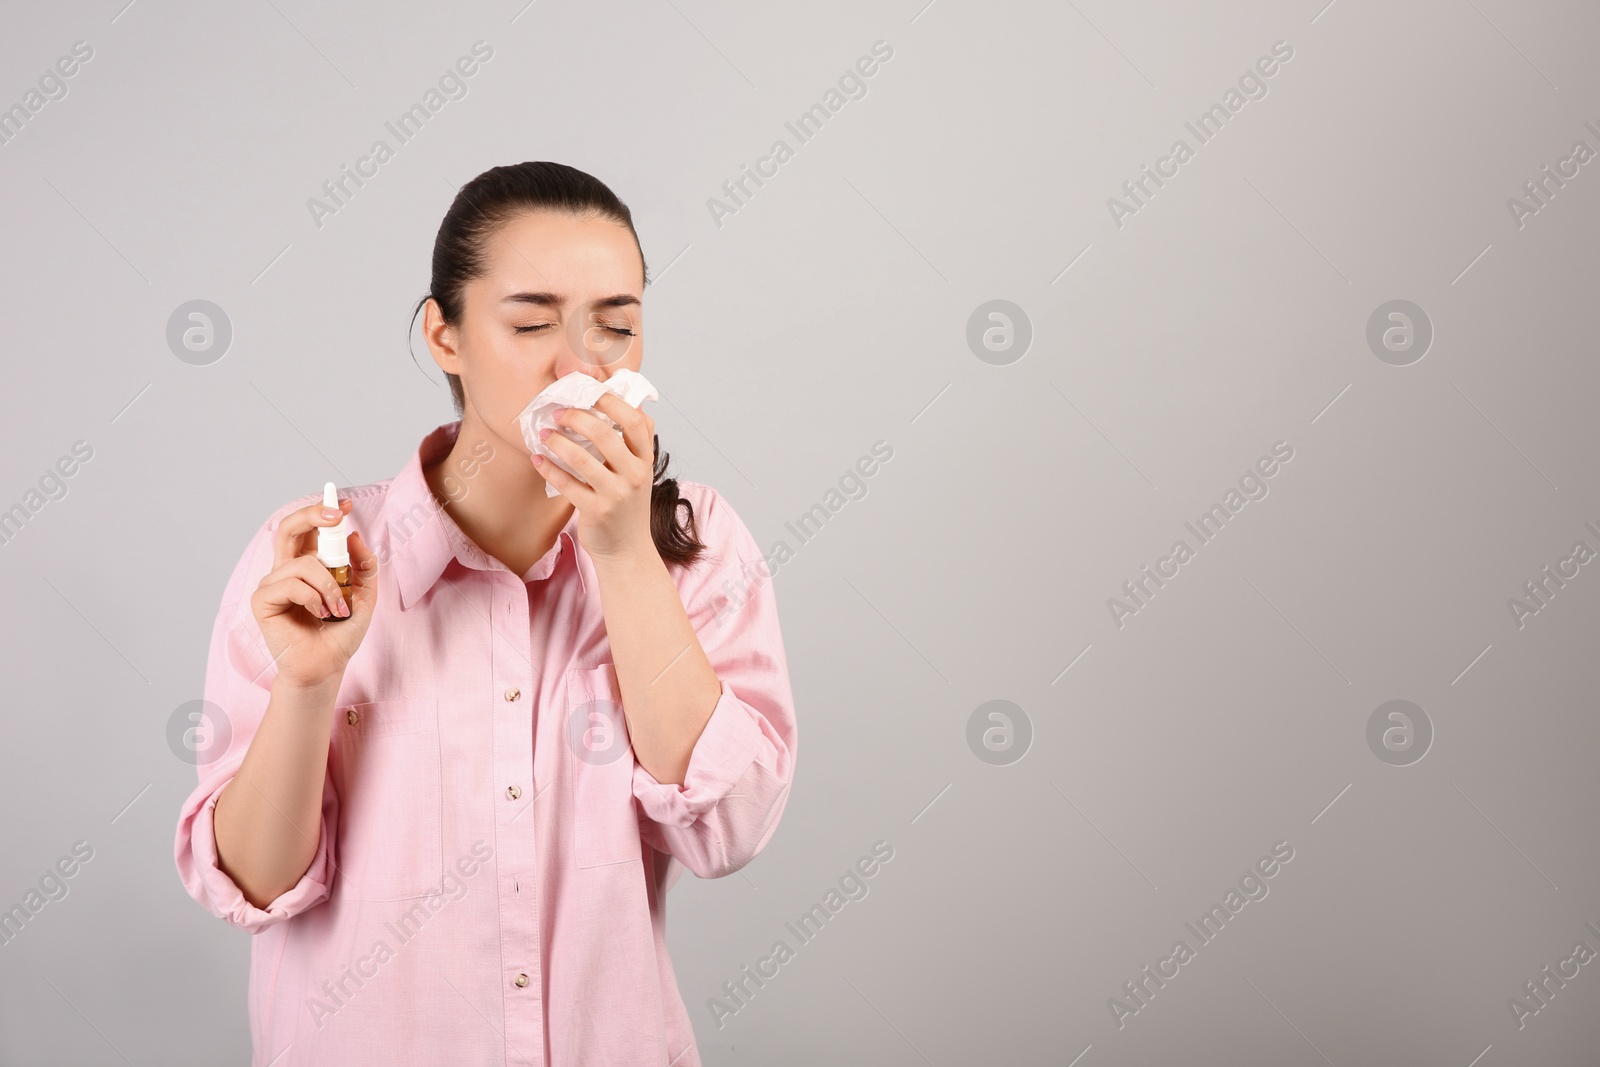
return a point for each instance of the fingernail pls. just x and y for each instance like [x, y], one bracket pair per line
[331, 513]
[544, 433]
[560, 411]
[344, 609]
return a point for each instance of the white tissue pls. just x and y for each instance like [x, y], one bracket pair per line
[578, 390]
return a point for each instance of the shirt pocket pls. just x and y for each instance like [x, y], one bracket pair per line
[391, 822]
[605, 820]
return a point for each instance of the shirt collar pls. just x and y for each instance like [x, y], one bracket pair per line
[420, 538]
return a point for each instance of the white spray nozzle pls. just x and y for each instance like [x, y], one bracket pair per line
[332, 549]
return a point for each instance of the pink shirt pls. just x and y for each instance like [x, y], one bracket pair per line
[490, 885]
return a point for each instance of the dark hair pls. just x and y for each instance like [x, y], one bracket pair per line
[480, 208]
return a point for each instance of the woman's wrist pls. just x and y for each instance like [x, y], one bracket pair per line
[304, 693]
[642, 557]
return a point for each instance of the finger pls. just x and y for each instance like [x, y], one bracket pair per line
[577, 457]
[313, 574]
[363, 563]
[363, 578]
[576, 492]
[618, 408]
[637, 427]
[605, 437]
[280, 595]
[290, 540]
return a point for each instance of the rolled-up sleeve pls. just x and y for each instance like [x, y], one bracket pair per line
[742, 765]
[238, 683]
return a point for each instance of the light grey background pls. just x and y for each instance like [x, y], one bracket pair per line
[828, 313]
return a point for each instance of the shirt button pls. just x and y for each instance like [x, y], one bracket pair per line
[352, 717]
[513, 693]
[512, 792]
[522, 980]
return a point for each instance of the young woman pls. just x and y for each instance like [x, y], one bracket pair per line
[450, 810]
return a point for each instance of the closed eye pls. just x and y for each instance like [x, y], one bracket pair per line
[546, 325]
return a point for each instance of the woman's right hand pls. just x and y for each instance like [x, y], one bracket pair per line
[296, 597]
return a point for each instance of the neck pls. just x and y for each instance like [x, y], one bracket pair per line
[490, 487]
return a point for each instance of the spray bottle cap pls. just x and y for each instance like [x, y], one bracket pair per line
[332, 549]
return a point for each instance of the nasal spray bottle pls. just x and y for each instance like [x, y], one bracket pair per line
[333, 552]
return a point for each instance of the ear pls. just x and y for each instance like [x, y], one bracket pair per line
[441, 338]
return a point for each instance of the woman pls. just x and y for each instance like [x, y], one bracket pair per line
[450, 810]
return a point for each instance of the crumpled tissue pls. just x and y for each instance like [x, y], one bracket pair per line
[578, 390]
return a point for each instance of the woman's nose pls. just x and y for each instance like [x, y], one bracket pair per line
[570, 362]
[572, 358]
[590, 349]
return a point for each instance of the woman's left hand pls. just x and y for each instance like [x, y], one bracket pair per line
[613, 498]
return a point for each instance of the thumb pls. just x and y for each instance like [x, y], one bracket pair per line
[366, 563]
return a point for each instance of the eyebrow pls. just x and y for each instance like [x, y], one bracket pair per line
[552, 300]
